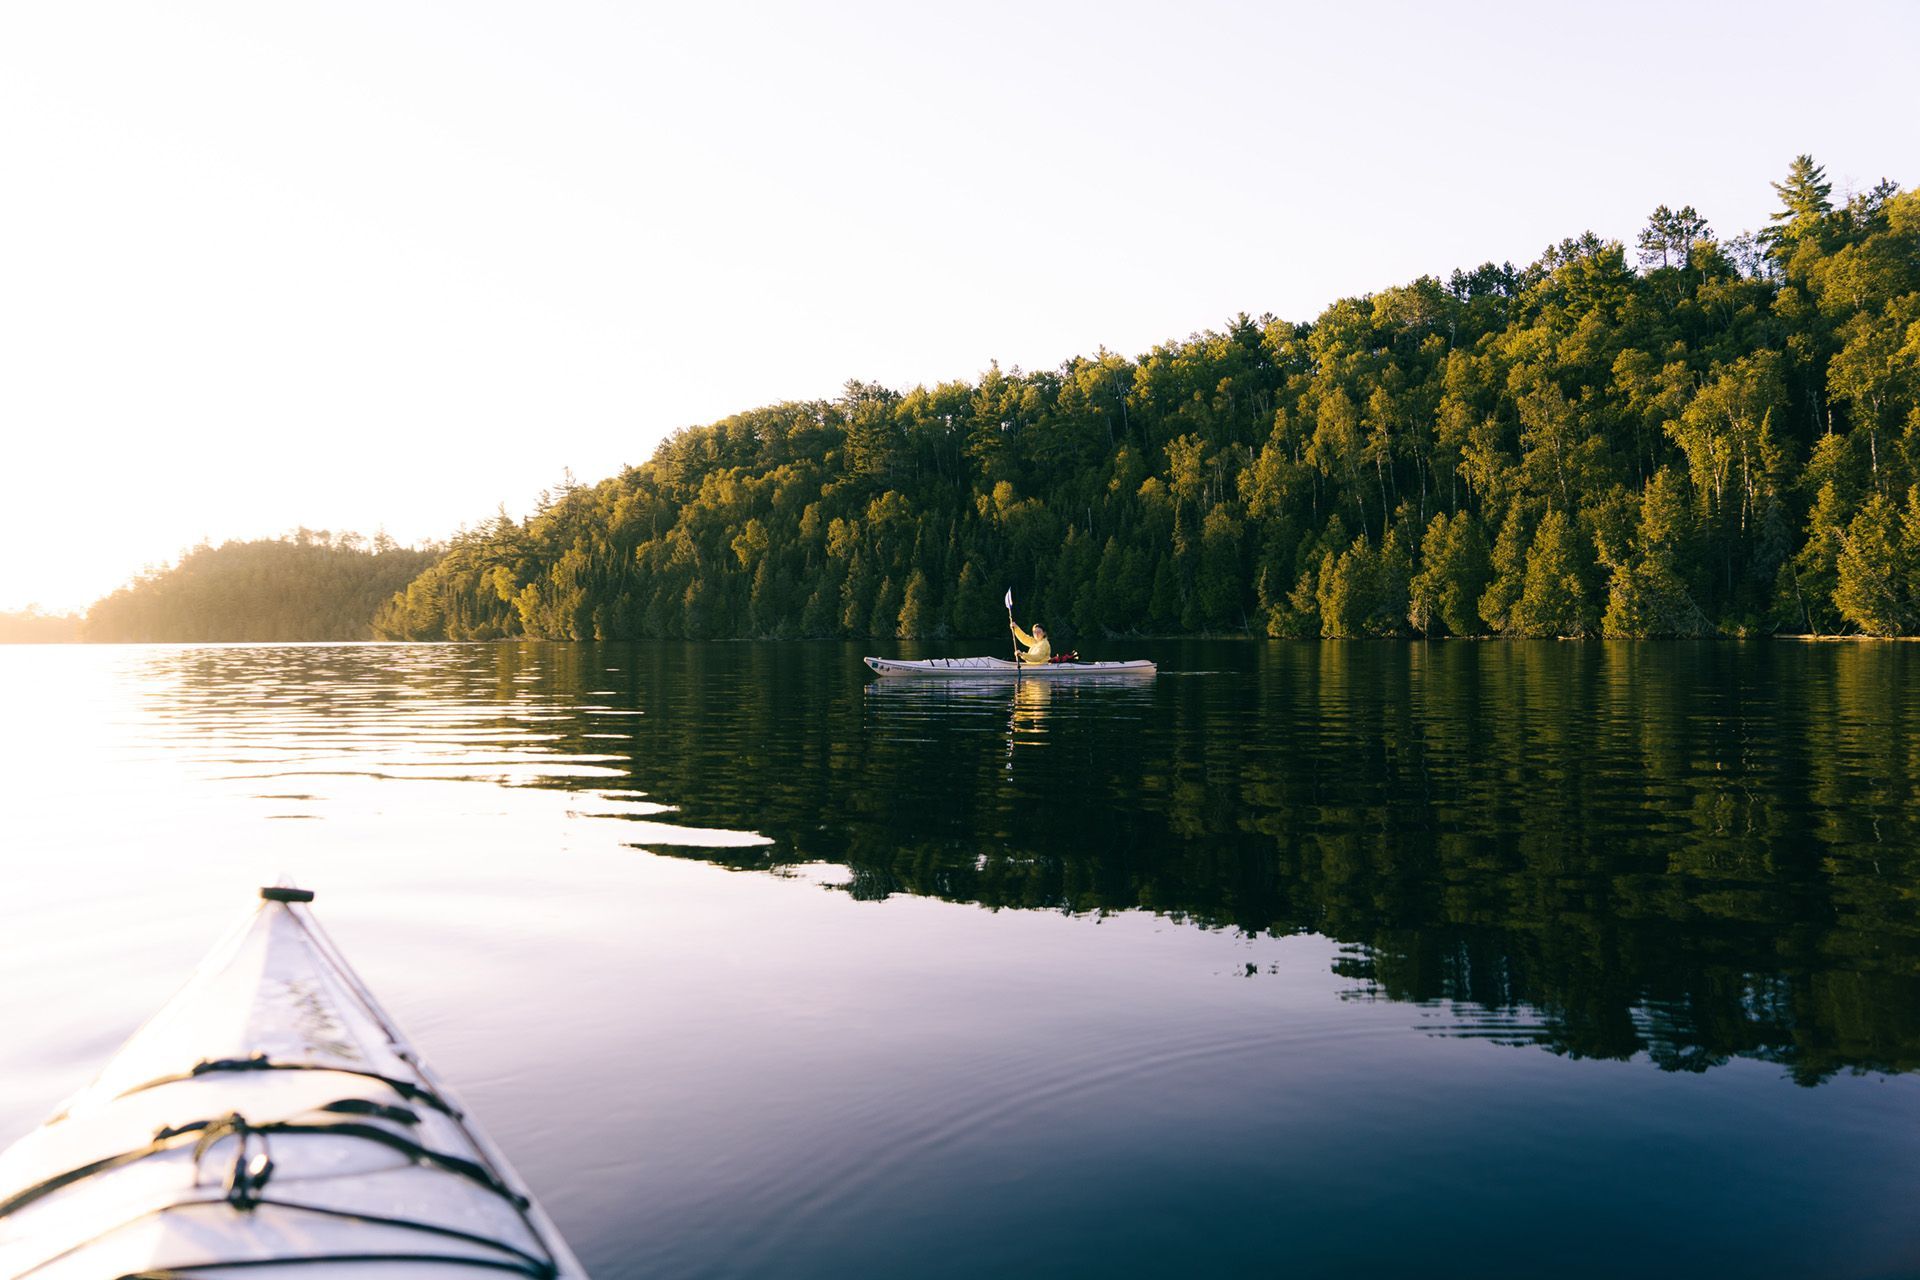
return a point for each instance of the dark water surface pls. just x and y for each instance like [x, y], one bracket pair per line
[1462, 959]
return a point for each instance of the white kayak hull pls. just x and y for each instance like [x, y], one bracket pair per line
[271, 1121]
[1001, 668]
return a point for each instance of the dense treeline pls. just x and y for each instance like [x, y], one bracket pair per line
[32, 626]
[306, 586]
[1706, 435]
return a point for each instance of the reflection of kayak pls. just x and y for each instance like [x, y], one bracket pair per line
[269, 1114]
[988, 668]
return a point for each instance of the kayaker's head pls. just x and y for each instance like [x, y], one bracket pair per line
[1039, 632]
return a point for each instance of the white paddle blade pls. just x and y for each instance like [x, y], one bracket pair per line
[1009, 597]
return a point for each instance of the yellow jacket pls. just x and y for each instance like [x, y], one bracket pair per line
[1037, 650]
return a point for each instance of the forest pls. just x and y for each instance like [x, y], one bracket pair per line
[1696, 435]
[309, 585]
[33, 625]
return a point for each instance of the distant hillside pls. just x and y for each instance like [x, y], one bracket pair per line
[306, 586]
[30, 626]
[1693, 435]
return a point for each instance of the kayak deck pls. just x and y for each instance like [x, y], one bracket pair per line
[994, 668]
[271, 1119]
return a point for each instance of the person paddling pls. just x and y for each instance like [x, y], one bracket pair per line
[1038, 650]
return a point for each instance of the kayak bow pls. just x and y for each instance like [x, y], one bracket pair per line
[271, 1119]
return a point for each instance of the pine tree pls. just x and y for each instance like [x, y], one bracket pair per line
[1163, 607]
[976, 611]
[1508, 566]
[1454, 572]
[1669, 236]
[1804, 205]
[1553, 597]
[1363, 590]
[1301, 616]
[887, 603]
[856, 597]
[1876, 573]
[1650, 594]
[915, 611]
[1811, 578]
[1217, 584]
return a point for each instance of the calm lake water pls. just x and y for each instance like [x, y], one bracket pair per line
[1457, 959]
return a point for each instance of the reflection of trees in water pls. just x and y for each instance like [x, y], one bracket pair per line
[1695, 852]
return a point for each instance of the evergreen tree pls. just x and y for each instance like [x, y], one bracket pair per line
[1667, 240]
[1553, 598]
[1804, 205]
[915, 610]
[1455, 570]
[1651, 592]
[1879, 568]
[1508, 568]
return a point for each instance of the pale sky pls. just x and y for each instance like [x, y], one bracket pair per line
[351, 265]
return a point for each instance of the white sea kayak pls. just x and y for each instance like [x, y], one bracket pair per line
[994, 668]
[269, 1121]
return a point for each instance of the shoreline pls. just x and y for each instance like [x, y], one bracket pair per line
[1234, 636]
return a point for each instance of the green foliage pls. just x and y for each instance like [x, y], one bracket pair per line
[1804, 206]
[1560, 449]
[916, 614]
[1363, 591]
[1669, 238]
[1878, 569]
[1553, 595]
[307, 586]
[1652, 589]
[1455, 568]
[1507, 571]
